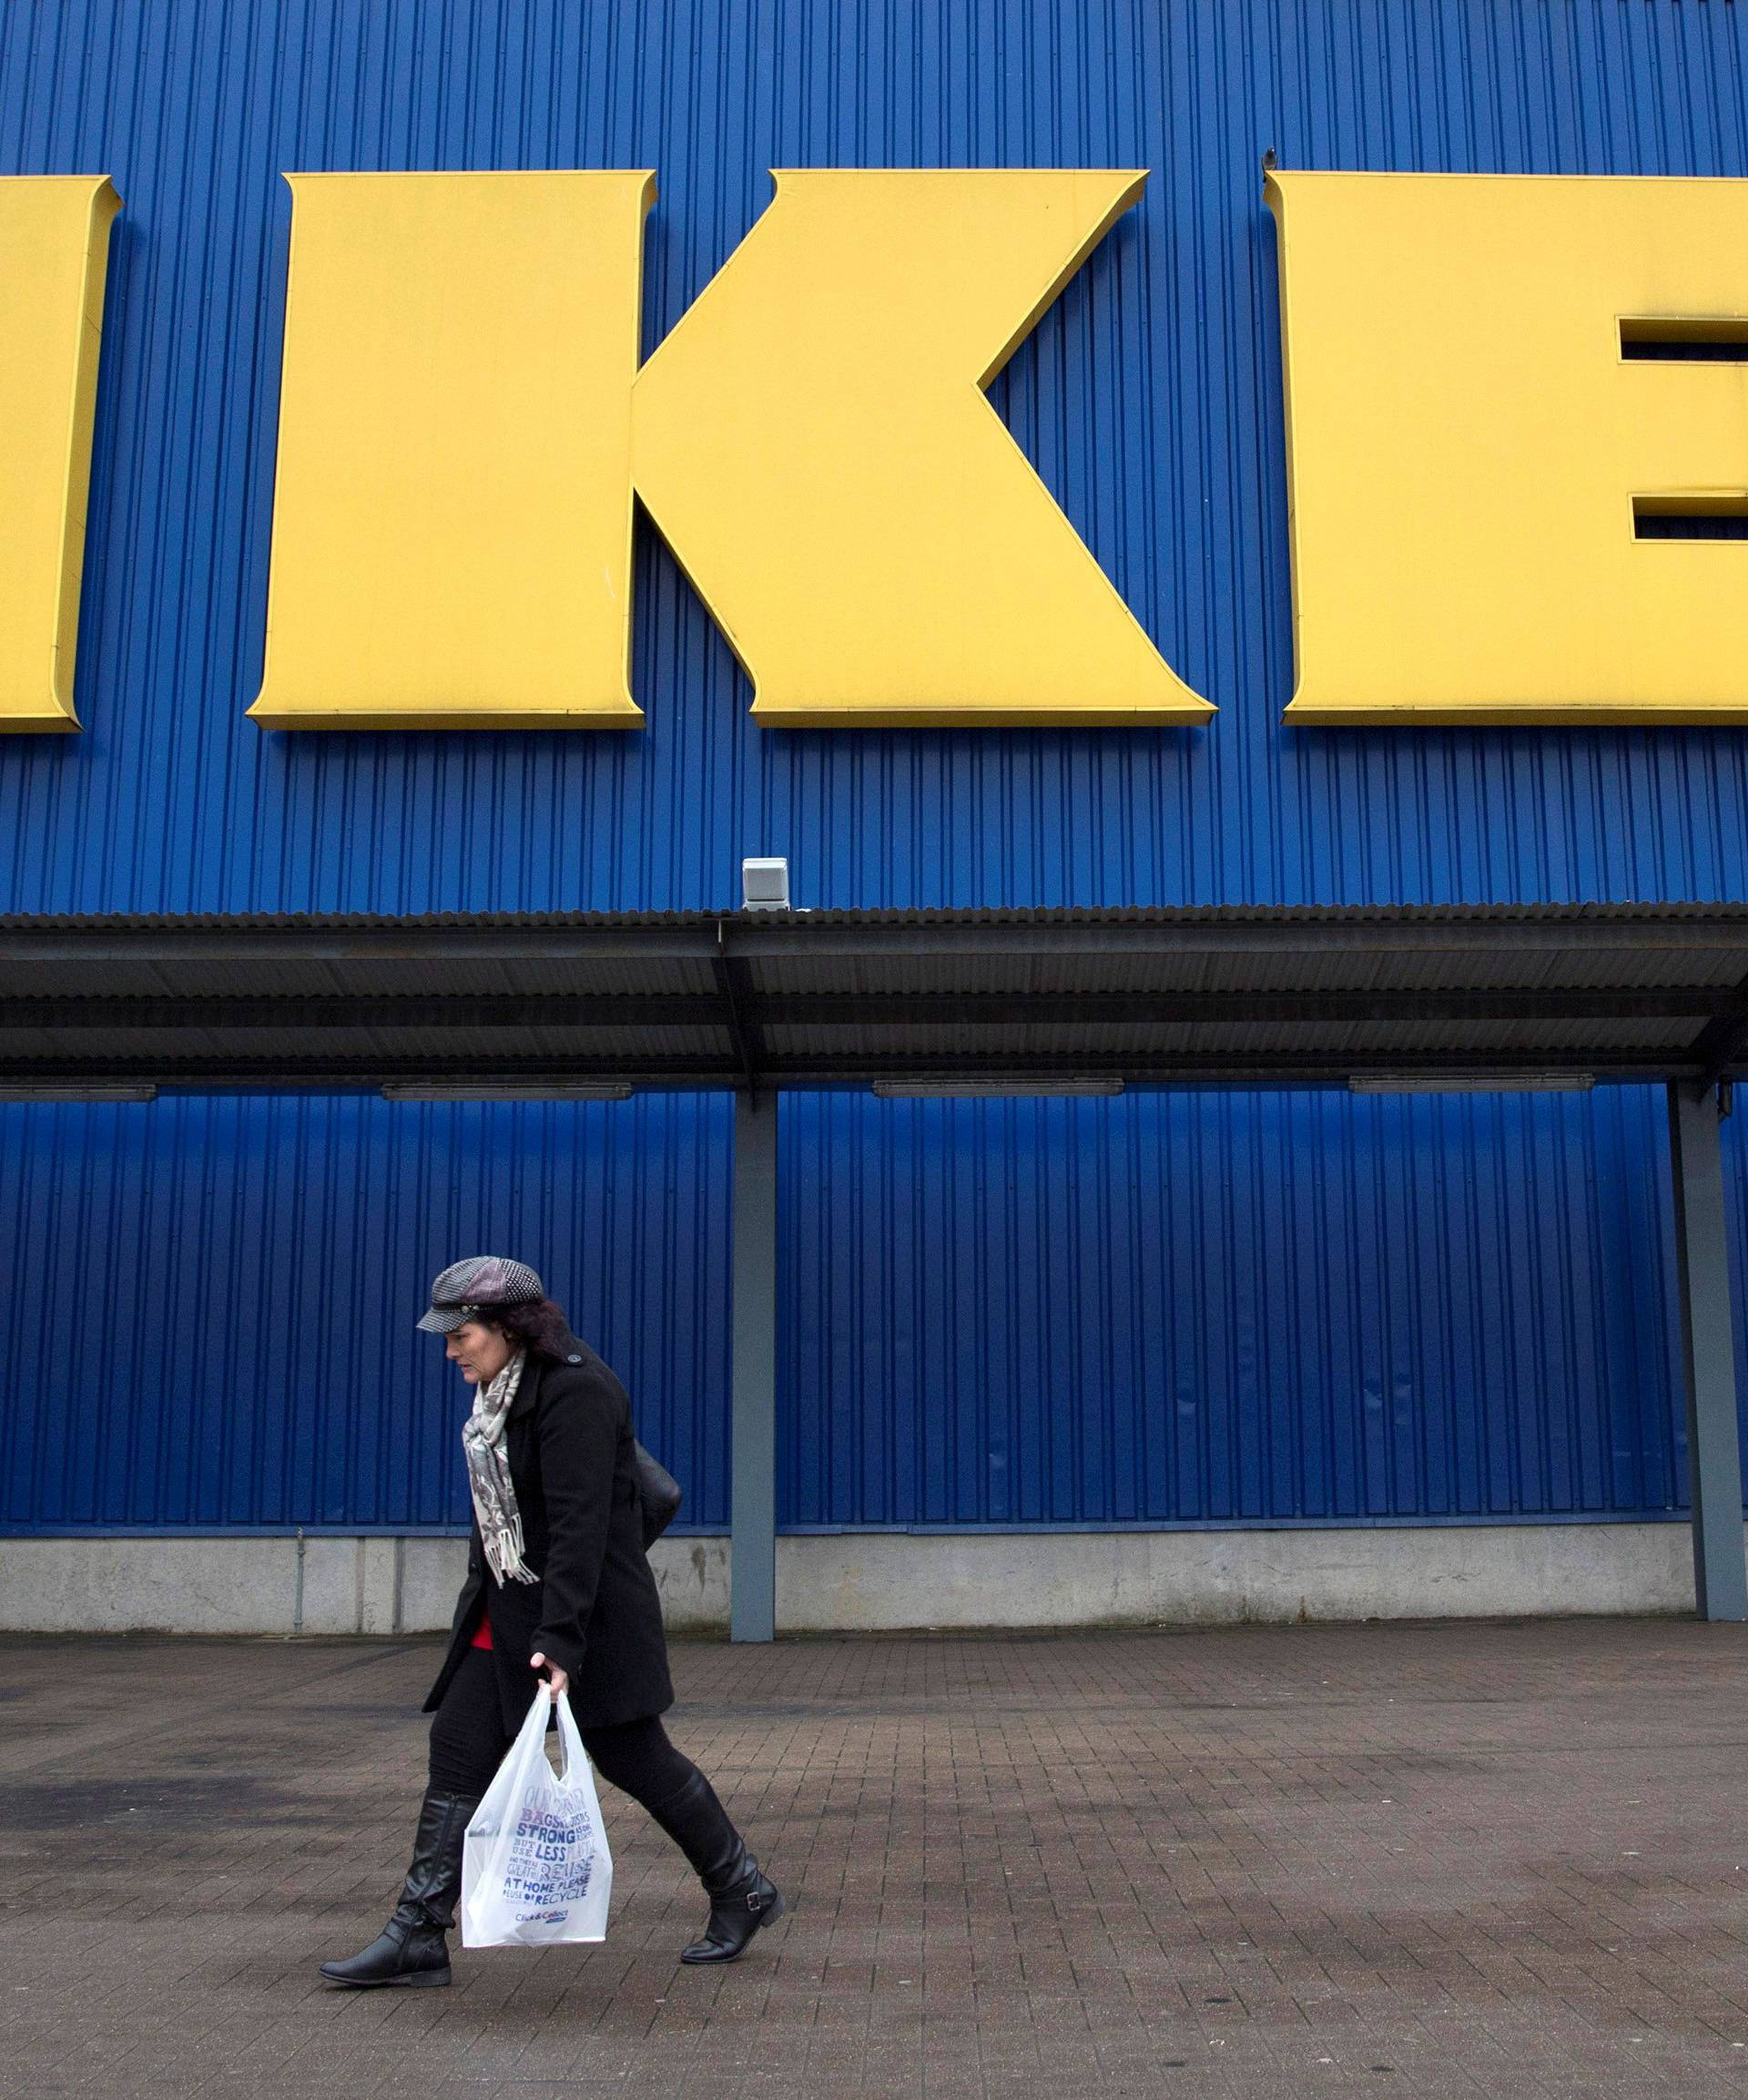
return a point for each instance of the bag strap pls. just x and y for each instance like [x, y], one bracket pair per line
[570, 1738]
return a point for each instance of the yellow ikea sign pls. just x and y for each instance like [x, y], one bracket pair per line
[1473, 445]
[53, 251]
[464, 425]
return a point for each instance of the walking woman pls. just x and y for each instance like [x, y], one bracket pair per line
[558, 1593]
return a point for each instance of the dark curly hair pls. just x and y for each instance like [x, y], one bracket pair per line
[541, 1327]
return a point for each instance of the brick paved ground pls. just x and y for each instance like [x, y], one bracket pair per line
[1269, 1861]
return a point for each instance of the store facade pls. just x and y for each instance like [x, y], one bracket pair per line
[1232, 1118]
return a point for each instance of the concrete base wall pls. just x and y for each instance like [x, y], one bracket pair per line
[877, 1582]
[874, 1581]
[237, 1585]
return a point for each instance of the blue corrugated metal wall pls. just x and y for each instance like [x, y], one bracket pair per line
[210, 1302]
[1180, 1307]
[1149, 397]
[1168, 1308]
[1161, 1310]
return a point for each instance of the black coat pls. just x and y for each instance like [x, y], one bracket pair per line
[594, 1612]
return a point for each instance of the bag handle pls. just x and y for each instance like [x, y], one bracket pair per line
[570, 1737]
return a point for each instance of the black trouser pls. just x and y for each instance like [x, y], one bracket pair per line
[469, 1740]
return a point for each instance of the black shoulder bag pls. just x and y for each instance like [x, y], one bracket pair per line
[657, 1490]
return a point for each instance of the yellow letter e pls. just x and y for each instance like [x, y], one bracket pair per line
[1484, 428]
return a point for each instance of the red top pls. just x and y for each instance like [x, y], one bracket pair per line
[483, 1633]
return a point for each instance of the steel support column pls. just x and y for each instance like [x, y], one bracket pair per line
[1708, 1347]
[752, 1605]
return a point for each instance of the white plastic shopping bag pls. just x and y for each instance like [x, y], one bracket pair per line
[535, 1870]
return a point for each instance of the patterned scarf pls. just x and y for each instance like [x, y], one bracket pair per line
[488, 1474]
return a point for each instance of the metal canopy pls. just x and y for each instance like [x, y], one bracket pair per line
[1197, 995]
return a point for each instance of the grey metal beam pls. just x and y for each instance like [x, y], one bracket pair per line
[1708, 1352]
[1721, 1044]
[731, 989]
[1637, 940]
[313, 1067]
[241, 939]
[1637, 933]
[744, 1012]
[1174, 1007]
[752, 1600]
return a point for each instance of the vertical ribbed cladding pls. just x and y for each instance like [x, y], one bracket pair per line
[1180, 1307]
[1149, 397]
[211, 1301]
[1267, 1309]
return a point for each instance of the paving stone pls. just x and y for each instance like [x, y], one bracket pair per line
[1448, 1860]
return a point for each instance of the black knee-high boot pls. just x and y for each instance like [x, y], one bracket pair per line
[411, 1948]
[741, 1898]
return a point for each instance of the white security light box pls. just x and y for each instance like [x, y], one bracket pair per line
[765, 885]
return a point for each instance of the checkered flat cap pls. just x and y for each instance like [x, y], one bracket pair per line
[479, 1284]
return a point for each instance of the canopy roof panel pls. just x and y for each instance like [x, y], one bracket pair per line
[1196, 995]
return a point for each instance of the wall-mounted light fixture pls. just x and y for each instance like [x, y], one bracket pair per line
[1503, 1082]
[504, 1090]
[77, 1090]
[991, 1089]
